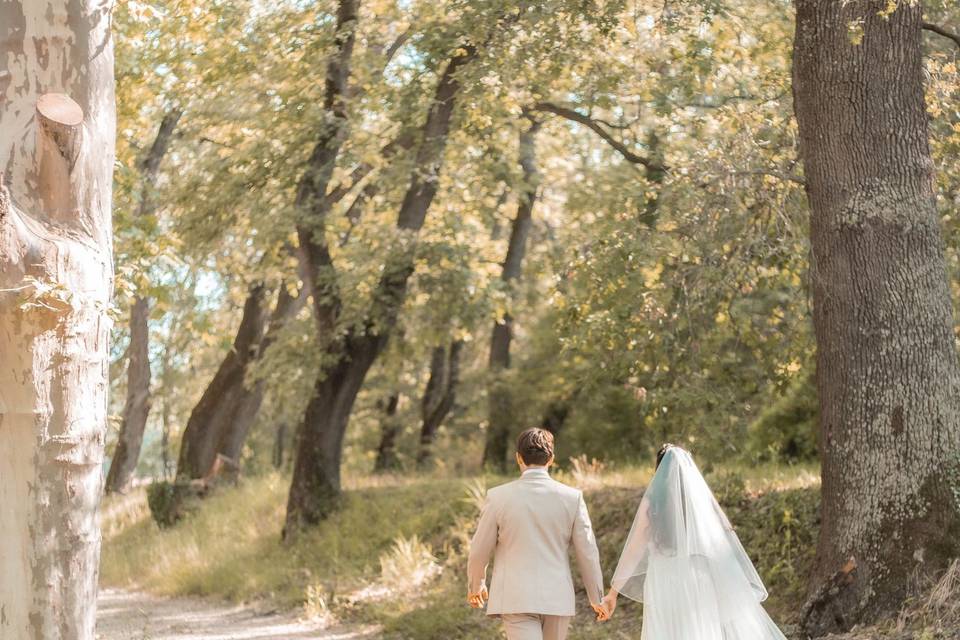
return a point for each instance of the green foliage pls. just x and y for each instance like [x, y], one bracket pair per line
[787, 429]
[171, 502]
[663, 303]
[162, 500]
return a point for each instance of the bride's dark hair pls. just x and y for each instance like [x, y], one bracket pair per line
[661, 453]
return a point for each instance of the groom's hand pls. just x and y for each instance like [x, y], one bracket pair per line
[476, 600]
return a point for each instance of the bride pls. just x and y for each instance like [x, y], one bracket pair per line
[683, 560]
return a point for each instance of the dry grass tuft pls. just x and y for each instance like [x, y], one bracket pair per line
[939, 608]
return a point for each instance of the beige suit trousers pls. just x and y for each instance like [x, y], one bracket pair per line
[532, 626]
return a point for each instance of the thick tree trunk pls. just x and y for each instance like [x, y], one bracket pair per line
[887, 370]
[389, 428]
[439, 396]
[500, 413]
[224, 397]
[316, 474]
[137, 407]
[57, 124]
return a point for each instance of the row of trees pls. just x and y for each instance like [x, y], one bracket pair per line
[646, 166]
[406, 174]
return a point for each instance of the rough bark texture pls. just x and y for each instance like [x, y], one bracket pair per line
[136, 410]
[225, 396]
[439, 396]
[389, 428]
[887, 371]
[316, 475]
[500, 413]
[57, 124]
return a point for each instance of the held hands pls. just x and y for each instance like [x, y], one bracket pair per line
[601, 611]
[608, 604]
[604, 610]
[477, 600]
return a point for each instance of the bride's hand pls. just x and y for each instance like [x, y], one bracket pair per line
[610, 602]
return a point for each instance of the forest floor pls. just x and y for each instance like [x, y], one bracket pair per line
[132, 615]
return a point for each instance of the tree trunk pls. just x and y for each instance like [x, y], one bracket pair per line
[137, 407]
[224, 397]
[165, 442]
[887, 370]
[57, 134]
[439, 396]
[556, 414]
[316, 474]
[389, 428]
[500, 413]
[235, 431]
[279, 443]
[221, 421]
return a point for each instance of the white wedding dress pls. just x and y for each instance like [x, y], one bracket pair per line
[683, 560]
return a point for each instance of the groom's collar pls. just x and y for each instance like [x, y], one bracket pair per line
[536, 472]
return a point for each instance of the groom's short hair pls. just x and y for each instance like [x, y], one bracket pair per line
[535, 446]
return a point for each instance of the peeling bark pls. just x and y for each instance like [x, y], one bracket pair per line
[136, 410]
[888, 376]
[500, 413]
[57, 134]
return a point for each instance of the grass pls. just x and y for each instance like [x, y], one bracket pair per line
[231, 547]
[361, 564]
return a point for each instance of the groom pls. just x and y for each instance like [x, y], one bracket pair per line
[528, 526]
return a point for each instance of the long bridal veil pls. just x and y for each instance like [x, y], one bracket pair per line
[683, 560]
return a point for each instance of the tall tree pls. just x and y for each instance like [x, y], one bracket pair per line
[57, 135]
[439, 396]
[316, 475]
[499, 410]
[136, 410]
[888, 376]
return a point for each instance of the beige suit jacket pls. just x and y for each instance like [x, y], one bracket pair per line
[529, 526]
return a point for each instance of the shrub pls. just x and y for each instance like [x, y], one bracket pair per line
[787, 430]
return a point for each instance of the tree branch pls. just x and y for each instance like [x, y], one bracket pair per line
[596, 127]
[788, 177]
[311, 201]
[937, 29]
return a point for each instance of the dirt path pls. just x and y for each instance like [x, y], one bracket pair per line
[126, 615]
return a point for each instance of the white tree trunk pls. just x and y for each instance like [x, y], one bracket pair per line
[56, 155]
